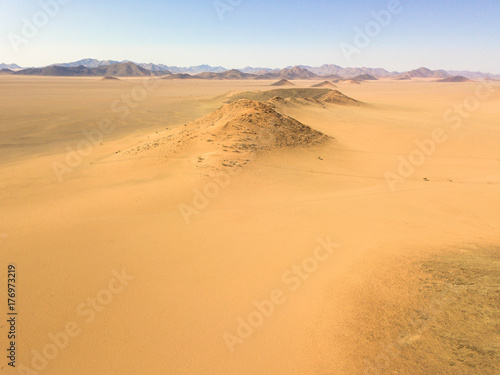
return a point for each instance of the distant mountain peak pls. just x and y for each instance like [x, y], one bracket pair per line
[10, 66]
[423, 72]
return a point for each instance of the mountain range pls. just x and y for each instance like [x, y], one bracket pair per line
[127, 69]
[93, 67]
[9, 66]
[92, 63]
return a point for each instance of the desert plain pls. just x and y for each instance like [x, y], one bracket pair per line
[151, 239]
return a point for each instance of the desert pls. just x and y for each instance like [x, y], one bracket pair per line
[235, 187]
[195, 225]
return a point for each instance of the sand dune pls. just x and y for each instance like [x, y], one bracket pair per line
[232, 136]
[310, 95]
[349, 81]
[283, 82]
[455, 79]
[336, 97]
[324, 84]
[364, 77]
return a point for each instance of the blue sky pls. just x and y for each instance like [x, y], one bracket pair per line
[446, 34]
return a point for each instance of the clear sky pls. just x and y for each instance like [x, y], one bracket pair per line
[438, 34]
